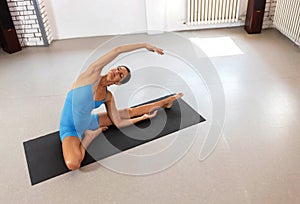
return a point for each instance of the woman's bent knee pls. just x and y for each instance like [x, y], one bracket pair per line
[73, 164]
[71, 152]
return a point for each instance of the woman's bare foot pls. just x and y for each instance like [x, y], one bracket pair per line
[90, 135]
[171, 99]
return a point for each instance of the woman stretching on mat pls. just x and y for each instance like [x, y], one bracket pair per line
[78, 126]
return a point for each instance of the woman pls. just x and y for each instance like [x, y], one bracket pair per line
[78, 126]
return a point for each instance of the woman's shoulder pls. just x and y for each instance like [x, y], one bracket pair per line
[109, 96]
[83, 80]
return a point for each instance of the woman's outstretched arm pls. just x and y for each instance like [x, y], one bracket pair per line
[97, 66]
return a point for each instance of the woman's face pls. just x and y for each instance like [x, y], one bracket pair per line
[117, 74]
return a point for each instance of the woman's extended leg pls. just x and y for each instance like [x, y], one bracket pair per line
[139, 110]
[165, 103]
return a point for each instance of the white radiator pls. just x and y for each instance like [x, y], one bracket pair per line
[212, 11]
[287, 19]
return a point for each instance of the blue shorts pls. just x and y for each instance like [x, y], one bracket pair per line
[76, 116]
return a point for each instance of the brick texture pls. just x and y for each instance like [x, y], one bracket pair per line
[27, 24]
[269, 14]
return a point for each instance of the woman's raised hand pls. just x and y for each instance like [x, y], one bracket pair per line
[154, 49]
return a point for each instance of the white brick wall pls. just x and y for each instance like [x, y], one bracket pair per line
[26, 22]
[269, 14]
[45, 21]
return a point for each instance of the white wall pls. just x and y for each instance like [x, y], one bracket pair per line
[85, 18]
[155, 16]
[176, 12]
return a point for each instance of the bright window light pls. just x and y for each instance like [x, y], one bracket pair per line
[217, 46]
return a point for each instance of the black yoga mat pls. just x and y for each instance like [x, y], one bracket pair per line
[44, 154]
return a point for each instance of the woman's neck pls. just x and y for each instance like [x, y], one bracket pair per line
[104, 82]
